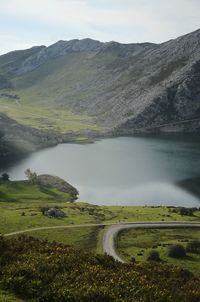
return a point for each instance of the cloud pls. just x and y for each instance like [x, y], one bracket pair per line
[65, 12]
[45, 21]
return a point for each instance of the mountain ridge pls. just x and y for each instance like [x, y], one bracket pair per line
[127, 87]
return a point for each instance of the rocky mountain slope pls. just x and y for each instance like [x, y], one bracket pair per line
[17, 140]
[127, 87]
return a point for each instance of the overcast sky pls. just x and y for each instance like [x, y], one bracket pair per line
[24, 23]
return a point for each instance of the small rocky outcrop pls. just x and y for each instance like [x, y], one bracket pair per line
[54, 213]
[60, 184]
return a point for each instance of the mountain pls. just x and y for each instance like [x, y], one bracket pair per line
[126, 88]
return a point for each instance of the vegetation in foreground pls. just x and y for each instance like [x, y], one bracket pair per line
[174, 246]
[8, 297]
[23, 205]
[43, 271]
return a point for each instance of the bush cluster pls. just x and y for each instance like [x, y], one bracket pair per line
[153, 256]
[45, 271]
[184, 211]
[177, 251]
[193, 247]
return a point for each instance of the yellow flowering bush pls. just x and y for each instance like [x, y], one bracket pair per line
[34, 269]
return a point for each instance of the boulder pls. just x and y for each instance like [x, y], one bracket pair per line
[54, 213]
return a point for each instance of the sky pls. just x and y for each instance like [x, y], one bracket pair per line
[26, 23]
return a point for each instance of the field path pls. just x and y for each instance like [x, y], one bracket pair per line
[56, 227]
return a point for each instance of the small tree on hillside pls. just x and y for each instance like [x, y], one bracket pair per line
[5, 176]
[32, 176]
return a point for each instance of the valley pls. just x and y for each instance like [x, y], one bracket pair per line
[80, 90]
[99, 151]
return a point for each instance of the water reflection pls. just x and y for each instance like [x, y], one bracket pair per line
[128, 170]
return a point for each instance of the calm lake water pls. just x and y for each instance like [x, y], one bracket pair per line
[123, 171]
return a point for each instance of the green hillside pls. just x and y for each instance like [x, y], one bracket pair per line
[28, 265]
[17, 197]
[46, 116]
[52, 96]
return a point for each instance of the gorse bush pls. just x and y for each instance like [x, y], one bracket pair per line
[52, 272]
[176, 251]
[153, 256]
[193, 247]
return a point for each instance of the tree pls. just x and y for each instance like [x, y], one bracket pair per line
[32, 176]
[176, 251]
[153, 256]
[5, 176]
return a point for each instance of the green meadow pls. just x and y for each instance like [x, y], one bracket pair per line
[21, 203]
[139, 243]
[45, 116]
[21, 206]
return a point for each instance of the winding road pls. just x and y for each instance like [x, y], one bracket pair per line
[113, 229]
[111, 233]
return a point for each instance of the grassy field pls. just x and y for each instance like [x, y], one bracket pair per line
[138, 244]
[21, 203]
[83, 238]
[45, 116]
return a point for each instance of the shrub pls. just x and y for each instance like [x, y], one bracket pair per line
[193, 247]
[44, 209]
[185, 211]
[5, 177]
[132, 260]
[49, 271]
[153, 256]
[188, 211]
[176, 251]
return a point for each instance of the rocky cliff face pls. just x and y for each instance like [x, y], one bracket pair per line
[17, 140]
[128, 88]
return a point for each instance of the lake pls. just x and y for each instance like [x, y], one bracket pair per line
[141, 170]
